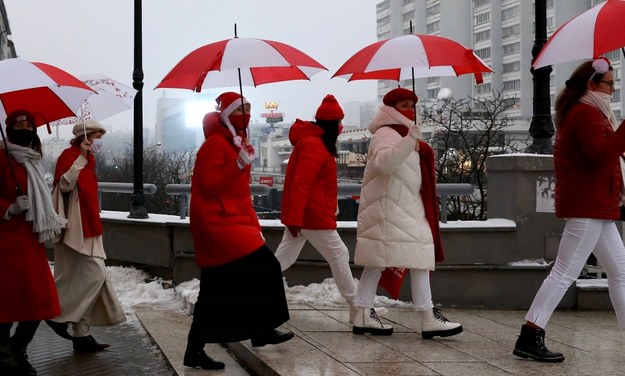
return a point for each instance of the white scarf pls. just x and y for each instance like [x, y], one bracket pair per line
[601, 101]
[45, 220]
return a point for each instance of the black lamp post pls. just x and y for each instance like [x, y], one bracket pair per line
[541, 127]
[137, 202]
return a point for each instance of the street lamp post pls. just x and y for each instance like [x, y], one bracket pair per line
[137, 202]
[541, 127]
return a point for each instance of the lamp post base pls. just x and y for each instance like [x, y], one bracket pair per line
[137, 207]
[540, 146]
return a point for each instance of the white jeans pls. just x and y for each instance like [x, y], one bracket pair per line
[581, 237]
[419, 287]
[329, 244]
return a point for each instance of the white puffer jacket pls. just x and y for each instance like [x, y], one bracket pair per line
[392, 228]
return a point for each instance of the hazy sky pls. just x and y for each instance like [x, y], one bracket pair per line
[96, 36]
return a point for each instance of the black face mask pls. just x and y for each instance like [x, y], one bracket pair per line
[21, 137]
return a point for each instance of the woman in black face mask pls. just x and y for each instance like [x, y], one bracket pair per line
[27, 290]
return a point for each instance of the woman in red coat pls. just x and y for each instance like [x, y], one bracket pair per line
[27, 289]
[589, 170]
[241, 290]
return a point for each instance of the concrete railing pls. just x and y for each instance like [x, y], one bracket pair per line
[345, 190]
[184, 191]
[108, 187]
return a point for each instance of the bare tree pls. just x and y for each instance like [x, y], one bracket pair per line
[466, 131]
[159, 168]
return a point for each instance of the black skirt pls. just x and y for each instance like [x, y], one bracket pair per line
[241, 299]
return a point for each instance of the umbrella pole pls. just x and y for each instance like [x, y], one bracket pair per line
[18, 190]
[247, 138]
[413, 91]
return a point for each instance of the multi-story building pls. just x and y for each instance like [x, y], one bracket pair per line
[7, 48]
[501, 32]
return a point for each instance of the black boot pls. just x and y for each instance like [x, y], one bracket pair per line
[24, 368]
[60, 328]
[8, 363]
[531, 344]
[272, 337]
[198, 358]
[87, 344]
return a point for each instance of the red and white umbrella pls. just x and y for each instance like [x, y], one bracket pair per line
[410, 56]
[110, 97]
[587, 36]
[46, 91]
[240, 62]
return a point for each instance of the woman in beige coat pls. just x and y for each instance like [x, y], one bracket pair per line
[86, 297]
[394, 227]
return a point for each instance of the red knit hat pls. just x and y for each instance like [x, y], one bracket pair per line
[329, 109]
[228, 102]
[399, 94]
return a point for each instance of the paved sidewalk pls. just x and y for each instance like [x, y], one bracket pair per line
[324, 345]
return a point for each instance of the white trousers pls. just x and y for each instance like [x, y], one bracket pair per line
[581, 237]
[419, 287]
[329, 244]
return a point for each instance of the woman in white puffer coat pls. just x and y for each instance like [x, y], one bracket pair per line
[396, 228]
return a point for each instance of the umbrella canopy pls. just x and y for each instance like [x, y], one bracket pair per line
[587, 36]
[110, 98]
[410, 56]
[240, 61]
[46, 91]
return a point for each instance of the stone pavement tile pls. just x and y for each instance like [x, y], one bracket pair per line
[293, 358]
[466, 369]
[420, 350]
[313, 320]
[351, 348]
[169, 329]
[392, 369]
[131, 353]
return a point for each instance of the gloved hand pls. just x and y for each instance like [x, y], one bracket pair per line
[21, 204]
[414, 132]
[246, 156]
[294, 230]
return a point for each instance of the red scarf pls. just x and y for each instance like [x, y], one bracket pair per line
[87, 186]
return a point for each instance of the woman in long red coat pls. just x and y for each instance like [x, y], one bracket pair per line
[241, 290]
[27, 220]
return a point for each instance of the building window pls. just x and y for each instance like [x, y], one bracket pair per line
[510, 31]
[479, 3]
[408, 16]
[384, 6]
[483, 53]
[433, 80]
[616, 96]
[613, 55]
[512, 67]
[508, 13]
[482, 18]
[512, 85]
[433, 27]
[549, 4]
[510, 49]
[432, 10]
[432, 93]
[483, 88]
[482, 35]
[384, 21]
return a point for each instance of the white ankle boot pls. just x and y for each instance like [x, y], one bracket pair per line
[380, 311]
[433, 323]
[367, 321]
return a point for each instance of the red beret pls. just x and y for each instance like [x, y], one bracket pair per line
[399, 94]
[329, 109]
[19, 115]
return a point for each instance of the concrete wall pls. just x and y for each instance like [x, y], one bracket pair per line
[477, 271]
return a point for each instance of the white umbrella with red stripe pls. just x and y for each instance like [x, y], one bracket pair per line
[410, 56]
[589, 35]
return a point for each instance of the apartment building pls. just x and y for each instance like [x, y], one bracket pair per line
[501, 32]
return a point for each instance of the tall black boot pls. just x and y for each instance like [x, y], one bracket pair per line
[194, 355]
[531, 344]
[24, 333]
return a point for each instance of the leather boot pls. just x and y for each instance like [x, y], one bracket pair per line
[433, 323]
[87, 344]
[531, 344]
[367, 321]
[8, 364]
[272, 337]
[353, 310]
[198, 358]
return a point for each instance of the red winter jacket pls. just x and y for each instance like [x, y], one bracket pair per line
[223, 222]
[588, 174]
[309, 199]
